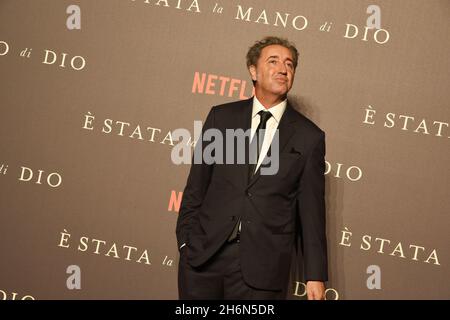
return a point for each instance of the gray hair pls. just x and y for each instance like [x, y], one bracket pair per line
[254, 51]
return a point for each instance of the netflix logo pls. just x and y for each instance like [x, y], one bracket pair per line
[214, 84]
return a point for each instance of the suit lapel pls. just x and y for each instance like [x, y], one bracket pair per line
[245, 114]
[244, 121]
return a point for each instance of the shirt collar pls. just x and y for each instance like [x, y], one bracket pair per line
[276, 111]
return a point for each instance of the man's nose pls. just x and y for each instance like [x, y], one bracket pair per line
[283, 69]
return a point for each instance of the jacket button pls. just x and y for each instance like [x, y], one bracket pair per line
[248, 194]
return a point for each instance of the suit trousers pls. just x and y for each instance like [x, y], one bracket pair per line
[219, 278]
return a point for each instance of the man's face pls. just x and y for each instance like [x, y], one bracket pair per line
[274, 71]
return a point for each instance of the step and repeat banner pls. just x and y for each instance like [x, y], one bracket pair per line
[91, 92]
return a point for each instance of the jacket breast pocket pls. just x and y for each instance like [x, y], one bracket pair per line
[289, 163]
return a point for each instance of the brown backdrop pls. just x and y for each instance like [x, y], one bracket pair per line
[85, 172]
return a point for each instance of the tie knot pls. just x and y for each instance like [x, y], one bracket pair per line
[264, 115]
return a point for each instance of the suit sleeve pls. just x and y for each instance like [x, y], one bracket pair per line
[196, 187]
[311, 210]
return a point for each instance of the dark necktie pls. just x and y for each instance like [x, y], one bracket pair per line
[258, 138]
[264, 117]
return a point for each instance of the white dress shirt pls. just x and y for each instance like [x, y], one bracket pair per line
[271, 125]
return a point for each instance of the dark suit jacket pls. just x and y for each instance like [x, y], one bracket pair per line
[274, 209]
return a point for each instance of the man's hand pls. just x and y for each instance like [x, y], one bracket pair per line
[315, 290]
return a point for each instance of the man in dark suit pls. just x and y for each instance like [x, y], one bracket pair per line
[237, 226]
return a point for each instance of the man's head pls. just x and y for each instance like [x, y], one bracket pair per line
[272, 62]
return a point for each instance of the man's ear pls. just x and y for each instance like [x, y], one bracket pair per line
[252, 70]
